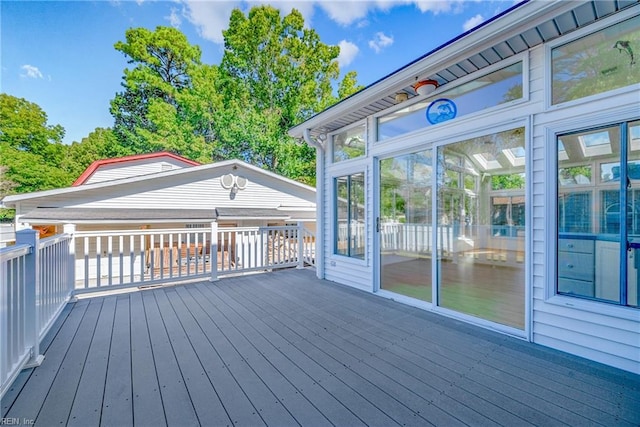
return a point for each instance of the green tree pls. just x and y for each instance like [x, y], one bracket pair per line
[23, 126]
[99, 144]
[31, 151]
[164, 94]
[274, 74]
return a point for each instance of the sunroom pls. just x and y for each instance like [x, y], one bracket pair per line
[507, 194]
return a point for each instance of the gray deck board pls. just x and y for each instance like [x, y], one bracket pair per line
[178, 408]
[147, 399]
[57, 405]
[117, 407]
[287, 349]
[87, 406]
[42, 377]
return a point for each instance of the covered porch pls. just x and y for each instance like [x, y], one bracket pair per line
[285, 348]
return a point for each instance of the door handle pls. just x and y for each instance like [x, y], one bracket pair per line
[633, 245]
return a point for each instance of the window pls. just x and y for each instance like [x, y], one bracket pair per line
[350, 216]
[596, 63]
[599, 214]
[349, 144]
[484, 92]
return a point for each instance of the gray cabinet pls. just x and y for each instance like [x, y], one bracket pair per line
[576, 266]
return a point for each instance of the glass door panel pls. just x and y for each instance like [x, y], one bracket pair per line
[481, 227]
[633, 214]
[405, 225]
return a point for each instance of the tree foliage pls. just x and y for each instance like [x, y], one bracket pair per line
[31, 150]
[275, 73]
[159, 108]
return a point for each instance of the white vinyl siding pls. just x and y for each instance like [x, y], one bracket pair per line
[201, 190]
[109, 172]
[594, 330]
[598, 331]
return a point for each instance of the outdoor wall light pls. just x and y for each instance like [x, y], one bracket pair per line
[401, 97]
[425, 87]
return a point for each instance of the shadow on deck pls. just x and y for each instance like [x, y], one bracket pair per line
[284, 349]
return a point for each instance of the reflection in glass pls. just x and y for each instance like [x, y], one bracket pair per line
[599, 62]
[350, 216]
[595, 224]
[349, 144]
[405, 225]
[484, 92]
[480, 227]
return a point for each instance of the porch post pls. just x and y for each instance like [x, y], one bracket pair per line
[214, 252]
[300, 245]
[71, 266]
[31, 283]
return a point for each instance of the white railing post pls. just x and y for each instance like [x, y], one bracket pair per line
[300, 245]
[32, 276]
[71, 267]
[214, 251]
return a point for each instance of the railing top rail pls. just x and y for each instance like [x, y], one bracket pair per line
[177, 231]
[50, 241]
[141, 232]
[14, 252]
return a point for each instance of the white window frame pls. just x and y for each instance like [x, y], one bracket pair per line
[585, 31]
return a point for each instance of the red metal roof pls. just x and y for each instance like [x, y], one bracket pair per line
[98, 163]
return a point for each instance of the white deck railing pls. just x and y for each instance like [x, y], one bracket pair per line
[106, 260]
[37, 281]
[40, 276]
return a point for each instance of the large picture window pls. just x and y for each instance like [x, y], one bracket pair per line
[350, 216]
[599, 214]
[602, 61]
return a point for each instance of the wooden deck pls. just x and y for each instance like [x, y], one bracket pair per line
[286, 349]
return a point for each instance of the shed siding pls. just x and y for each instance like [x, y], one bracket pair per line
[110, 172]
[201, 190]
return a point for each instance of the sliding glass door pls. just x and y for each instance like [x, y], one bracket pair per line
[481, 227]
[471, 244]
[404, 225]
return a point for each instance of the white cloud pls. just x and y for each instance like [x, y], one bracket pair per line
[348, 52]
[173, 18]
[380, 41]
[211, 18]
[473, 22]
[29, 71]
[439, 6]
[346, 12]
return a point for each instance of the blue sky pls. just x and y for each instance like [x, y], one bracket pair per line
[60, 55]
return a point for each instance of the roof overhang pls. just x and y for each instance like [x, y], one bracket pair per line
[523, 26]
[149, 216]
[116, 215]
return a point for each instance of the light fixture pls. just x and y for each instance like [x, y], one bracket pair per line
[401, 97]
[425, 87]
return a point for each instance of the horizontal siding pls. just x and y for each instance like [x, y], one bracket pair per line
[200, 190]
[113, 171]
[588, 352]
[608, 339]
